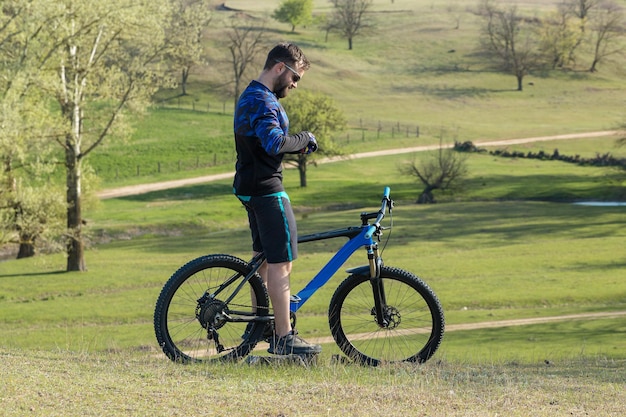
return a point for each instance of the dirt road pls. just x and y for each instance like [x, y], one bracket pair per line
[507, 323]
[159, 186]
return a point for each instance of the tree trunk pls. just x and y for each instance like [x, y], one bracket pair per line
[350, 44]
[427, 196]
[302, 170]
[27, 250]
[520, 80]
[183, 81]
[75, 247]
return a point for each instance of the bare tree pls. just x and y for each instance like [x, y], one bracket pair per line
[185, 35]
[510, 40]
[580, 8]
[443, 171]
[350, 18]
[456, 10]
[246, 44]
[607, 25]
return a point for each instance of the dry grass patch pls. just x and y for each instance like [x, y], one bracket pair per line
[62, 383]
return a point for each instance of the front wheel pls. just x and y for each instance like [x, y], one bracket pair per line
[413, 319]
[203, 311]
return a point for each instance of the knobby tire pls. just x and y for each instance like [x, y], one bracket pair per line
[415, 316]
[186, 318]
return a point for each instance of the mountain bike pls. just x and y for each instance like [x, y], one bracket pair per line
[216, 307]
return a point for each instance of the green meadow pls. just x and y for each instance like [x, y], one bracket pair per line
[507, 245]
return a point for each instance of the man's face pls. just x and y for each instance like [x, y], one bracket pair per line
[287, 80]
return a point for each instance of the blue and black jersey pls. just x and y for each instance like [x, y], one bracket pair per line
[261, 140]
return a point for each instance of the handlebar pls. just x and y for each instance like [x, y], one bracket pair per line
[387, 203]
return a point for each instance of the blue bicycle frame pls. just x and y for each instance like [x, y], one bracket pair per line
[359, 237]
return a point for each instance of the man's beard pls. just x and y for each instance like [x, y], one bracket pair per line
[282, 88]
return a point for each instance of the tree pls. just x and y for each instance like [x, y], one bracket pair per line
[607, 25]
[510, 40]
[560, 36]
[350, 18]
[105, 63]
[581, 8]
[185, 35]
[316, 113]
[445, 169]
[294, 12]
[245, 46]
[35, 216]
[30, 211]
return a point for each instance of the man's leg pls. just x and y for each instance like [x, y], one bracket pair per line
[285, 342]
[279, 290]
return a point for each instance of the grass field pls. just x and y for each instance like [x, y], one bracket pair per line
[86, 384]
[509, 245]
[486, 259]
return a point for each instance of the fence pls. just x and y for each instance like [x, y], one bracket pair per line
[358, 131]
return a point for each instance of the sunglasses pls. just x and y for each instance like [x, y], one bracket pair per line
[296, 77]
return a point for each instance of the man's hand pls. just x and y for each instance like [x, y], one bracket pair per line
[312, 146]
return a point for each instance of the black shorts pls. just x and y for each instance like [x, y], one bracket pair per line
[273, 227]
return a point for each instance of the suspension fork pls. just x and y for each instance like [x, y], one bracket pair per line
[380, 301]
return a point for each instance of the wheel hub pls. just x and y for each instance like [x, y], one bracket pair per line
[209, 314]
[393, 317]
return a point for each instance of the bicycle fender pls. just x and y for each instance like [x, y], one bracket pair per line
[365, 269]
[360, 270]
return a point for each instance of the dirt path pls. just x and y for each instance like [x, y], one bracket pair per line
[159, 186]
[485, 325]
[510, 323]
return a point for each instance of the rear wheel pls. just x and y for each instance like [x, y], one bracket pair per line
[195, 318]
[414, 321]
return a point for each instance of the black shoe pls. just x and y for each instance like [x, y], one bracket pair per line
[292, 344]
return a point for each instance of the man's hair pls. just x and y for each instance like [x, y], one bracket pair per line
[288, 53]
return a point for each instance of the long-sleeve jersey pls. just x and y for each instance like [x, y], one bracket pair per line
[261, 140]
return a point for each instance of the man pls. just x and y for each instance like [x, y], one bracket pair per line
[262, 139]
